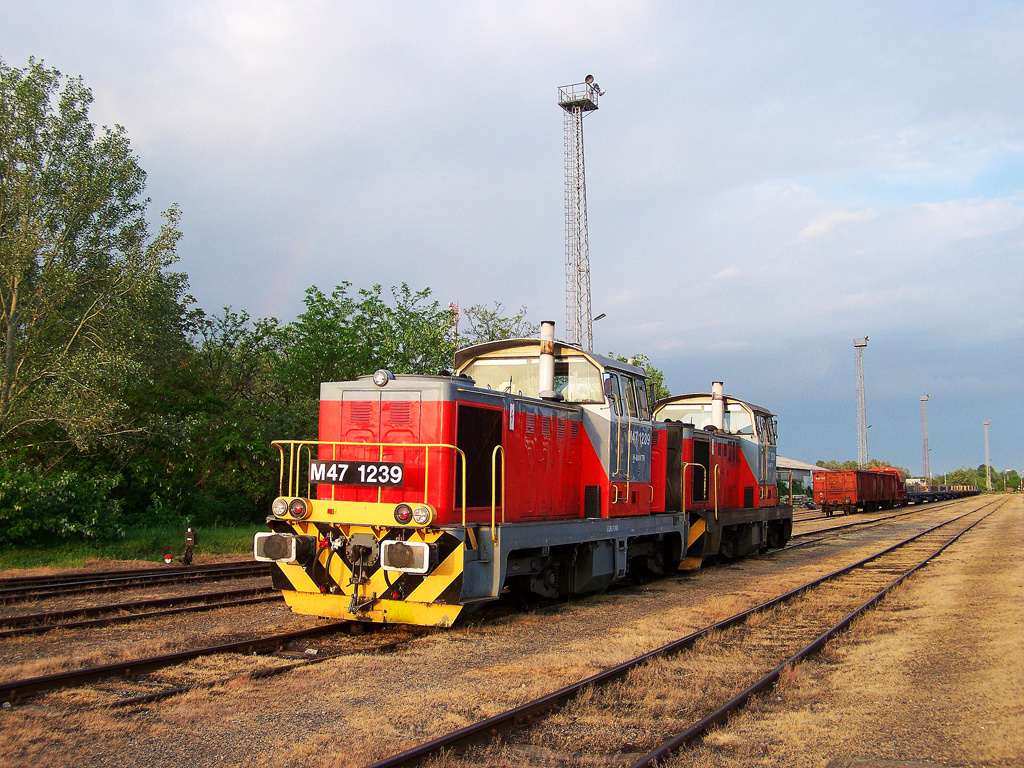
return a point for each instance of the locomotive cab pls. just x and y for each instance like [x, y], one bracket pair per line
[610, 398]
[721, 469]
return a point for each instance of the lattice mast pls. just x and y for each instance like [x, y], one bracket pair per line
[577, 100]
[862, 409]
[924, 436]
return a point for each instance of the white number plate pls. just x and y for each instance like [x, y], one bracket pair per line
[376, 473]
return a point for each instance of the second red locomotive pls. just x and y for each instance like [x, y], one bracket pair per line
[537, 467]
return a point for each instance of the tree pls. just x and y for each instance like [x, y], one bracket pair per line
[836, 465]
[414, 335]
[84, 295]
[490, 325]
[656, 388]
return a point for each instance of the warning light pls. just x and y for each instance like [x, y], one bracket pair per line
[168, 558]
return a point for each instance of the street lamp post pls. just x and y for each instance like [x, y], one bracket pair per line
[988, 461]
[924, 435]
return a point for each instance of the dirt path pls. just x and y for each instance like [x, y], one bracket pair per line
[935, 675]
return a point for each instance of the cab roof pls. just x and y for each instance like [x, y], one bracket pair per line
[531, 348]
[701, 397]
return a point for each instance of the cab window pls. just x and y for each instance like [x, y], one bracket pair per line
[627, 386]
[641, 399]
[613, 392]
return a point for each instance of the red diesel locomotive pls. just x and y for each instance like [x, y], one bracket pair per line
[537, 467]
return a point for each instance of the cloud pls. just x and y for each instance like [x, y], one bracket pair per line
[827, 223]
[727, 274]
[763, 182]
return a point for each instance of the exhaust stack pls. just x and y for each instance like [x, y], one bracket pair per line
[717, 406]
[546, 371]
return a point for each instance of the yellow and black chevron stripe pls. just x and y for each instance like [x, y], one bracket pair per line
[695, 544]
[326, 586]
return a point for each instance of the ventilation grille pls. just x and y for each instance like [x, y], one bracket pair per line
[401, 413]
[360, 413]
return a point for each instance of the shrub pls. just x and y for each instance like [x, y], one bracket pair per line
[36, 505]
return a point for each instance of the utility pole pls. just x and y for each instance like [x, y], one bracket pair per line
[577, 100]
[924, 433]
[988, 461]
[862, 410]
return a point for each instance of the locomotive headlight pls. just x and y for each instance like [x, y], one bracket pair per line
[382, 377]
[403, 514]
[299, 509]
[279, 507]
[408, 556]
[423, 515]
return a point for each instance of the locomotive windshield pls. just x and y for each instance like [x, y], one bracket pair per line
[737, 418]
[577, 380]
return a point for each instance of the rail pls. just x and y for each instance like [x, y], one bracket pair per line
[484, 731]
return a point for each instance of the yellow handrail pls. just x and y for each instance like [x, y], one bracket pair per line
[494, 456]
[682, 473]
[296, 446]
[629, 451]
[717, 467]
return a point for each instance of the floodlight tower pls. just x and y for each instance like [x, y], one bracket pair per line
[988, 461]
[924, 434]
[577, 100]
[862, 409]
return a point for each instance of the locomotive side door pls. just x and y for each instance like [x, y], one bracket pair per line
[701, 470]
[630, 443]
[618, 437]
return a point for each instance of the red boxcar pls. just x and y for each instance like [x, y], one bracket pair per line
[850, 490]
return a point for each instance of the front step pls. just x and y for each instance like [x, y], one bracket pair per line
[697, 529]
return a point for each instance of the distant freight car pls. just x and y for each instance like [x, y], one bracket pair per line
[850, 490]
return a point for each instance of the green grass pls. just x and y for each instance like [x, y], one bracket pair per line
[148, 544]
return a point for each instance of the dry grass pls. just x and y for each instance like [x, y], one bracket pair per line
[353, 711]
[65, 649]
[933, 675]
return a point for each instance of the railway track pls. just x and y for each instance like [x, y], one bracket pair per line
[863, 519]
[15, 690]
[113, 613]
[260, 674]
[793, 626]
[39, 587]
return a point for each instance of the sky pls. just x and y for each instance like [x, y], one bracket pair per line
[766, 181]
